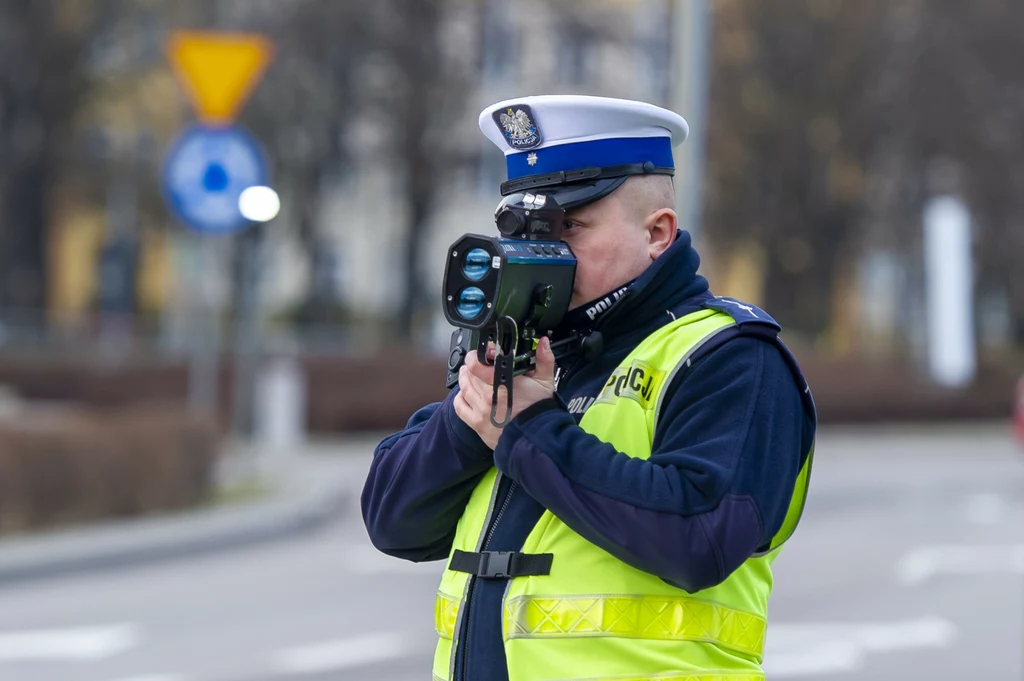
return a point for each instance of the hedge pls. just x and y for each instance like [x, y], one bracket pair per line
[79, 465]
[381, 391]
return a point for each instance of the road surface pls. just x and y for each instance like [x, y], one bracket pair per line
[908, 565]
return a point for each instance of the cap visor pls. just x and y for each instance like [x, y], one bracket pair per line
[577, 195]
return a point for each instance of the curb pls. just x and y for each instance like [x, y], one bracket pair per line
[301, 502]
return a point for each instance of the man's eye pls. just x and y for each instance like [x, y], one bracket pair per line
[570, 224]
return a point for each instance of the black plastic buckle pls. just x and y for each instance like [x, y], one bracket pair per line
[496, 564]
[501, 564]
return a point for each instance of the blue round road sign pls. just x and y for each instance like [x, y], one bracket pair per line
[206, 171]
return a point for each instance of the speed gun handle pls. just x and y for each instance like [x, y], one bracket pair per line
[463, 341]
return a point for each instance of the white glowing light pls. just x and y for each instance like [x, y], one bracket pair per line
[259, 204]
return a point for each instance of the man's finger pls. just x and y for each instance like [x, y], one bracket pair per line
[463, 410]
[484, 392]
[474, 364]
[466, 387]
[478, 393]
[544, 371]
[482, 371]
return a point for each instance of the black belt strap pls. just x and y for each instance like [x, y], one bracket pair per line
[501, 564]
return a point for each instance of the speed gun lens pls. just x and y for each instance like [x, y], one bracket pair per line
[471, 303]
[509, 222]
[475, 266]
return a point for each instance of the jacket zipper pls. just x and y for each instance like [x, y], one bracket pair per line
[501, 512]
[472, 579]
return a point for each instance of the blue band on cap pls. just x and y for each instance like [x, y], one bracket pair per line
[593, 154]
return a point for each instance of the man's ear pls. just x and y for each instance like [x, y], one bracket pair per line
[661, 231]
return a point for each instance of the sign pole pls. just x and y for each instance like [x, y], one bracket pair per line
[204, 365]
[247, 327]
[259, 205]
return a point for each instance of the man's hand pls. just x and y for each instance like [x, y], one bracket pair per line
[476, 389]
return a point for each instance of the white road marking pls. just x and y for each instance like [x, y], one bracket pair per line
[80, 644]
[984, 509]
[341, 653]
[795, 650]
[923, 563]
[834, 657]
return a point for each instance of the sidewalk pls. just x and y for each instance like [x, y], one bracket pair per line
[305, 488]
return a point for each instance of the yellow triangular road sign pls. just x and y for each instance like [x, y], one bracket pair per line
[218, 70]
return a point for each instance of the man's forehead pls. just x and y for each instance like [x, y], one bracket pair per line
[590, 209]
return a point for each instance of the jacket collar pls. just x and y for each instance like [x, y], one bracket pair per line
[644, 304]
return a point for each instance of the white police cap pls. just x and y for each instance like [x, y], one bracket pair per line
[578, 147]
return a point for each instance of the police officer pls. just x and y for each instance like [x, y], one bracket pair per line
[623, 524]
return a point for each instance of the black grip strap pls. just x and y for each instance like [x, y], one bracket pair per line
[504, 370]
[501, 564]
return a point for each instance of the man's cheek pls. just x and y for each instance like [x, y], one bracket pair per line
[579, 295]
[579, 283]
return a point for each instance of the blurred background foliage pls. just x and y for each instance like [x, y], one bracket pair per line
[821, 164]
[829, 123]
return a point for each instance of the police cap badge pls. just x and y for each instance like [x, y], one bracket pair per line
[516, 123]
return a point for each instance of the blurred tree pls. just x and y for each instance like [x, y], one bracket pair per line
[391, 63]
[301, 111]
[828, 120]
[428, 96]
[967, 89]
[42, 79]
[791, 115]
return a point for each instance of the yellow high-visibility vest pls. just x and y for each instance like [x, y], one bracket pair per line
[594, 617]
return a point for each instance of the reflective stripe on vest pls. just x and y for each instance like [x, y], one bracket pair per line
[446, 613]
[663, 677]
[653, 618]
[682, 676]
[644, 617]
